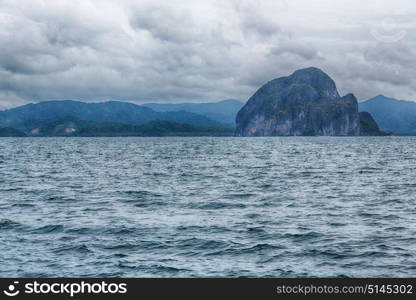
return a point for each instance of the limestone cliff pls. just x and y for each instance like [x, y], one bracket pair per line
[304, 103]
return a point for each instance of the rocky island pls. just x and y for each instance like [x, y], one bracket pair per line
[305, 103]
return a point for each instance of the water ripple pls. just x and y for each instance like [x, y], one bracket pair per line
[228, 207]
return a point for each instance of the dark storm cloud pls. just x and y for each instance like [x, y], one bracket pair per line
[199, 50]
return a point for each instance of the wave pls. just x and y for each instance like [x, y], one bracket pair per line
[48, 229]
[6, 224]
[215, 205]
[82, 248]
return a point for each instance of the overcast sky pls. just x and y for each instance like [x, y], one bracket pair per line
[176, 51]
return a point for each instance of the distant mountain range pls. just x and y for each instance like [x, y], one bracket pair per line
[392, 115]
[114, 118]
[113, 111]
[68, 117]
[223, 111]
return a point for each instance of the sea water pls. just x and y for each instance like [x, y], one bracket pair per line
[208, 207]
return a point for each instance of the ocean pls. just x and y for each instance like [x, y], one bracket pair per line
[208, 207]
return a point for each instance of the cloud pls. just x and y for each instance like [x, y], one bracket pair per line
[186, 50]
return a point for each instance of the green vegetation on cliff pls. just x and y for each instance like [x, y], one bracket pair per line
[10, 132]
[75, 127]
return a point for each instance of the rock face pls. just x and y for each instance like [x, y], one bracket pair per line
[392, 115]
[368, 125]
[304, 103]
